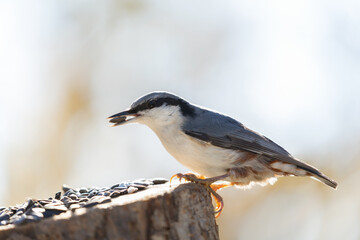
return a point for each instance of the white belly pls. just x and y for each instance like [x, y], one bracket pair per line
[200, 157]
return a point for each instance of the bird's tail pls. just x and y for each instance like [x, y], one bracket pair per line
[310, 170]
[316, 174]
[324, 179]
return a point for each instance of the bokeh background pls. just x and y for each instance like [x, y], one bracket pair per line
[288, 69]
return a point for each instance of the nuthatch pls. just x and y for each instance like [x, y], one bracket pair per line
[214, 146]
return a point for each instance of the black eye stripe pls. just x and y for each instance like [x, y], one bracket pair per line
[156, 103]
[167, 101]
[185, 107]
[151, 104]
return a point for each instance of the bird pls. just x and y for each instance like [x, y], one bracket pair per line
[219, 150]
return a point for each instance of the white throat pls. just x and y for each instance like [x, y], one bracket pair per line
[162, 119]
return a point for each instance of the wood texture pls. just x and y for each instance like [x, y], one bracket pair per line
[160, 212]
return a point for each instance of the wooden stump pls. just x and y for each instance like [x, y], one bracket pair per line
[160, 212]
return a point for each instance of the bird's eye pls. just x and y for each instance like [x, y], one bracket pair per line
[151, 104]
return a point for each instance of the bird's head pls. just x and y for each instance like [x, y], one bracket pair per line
[155, 109]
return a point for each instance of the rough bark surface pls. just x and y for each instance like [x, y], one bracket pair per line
[161, 212]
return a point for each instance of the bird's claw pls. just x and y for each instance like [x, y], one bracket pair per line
[211, 188]
[187, 176]
[179, 176]
[218, 201]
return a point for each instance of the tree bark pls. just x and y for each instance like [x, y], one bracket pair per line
[160, 212]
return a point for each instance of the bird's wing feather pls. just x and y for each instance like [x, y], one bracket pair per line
[223, 131]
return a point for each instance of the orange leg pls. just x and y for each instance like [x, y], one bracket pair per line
[191, 177]
[208, 183]
[217, 186]
[218, 199]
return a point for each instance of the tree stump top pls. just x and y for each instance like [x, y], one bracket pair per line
[183, 211]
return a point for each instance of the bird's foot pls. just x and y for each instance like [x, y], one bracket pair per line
[217, 186]
[190, 177]
[208, 183]
[218, 201]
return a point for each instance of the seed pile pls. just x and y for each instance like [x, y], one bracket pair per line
[35, 210]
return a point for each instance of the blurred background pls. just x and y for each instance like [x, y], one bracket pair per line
[287, 69]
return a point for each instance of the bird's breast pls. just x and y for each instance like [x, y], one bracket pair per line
[199, 156]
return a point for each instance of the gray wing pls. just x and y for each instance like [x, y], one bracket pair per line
[223, 131]
[226, 132]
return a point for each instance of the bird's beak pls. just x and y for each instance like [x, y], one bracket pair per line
[122, 117]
